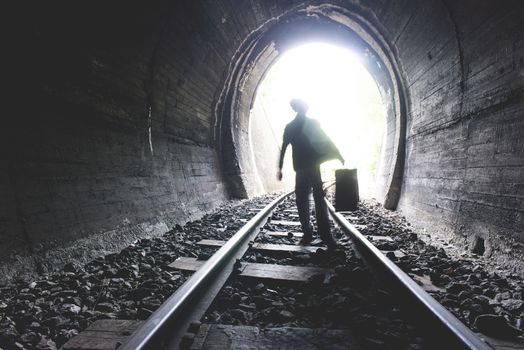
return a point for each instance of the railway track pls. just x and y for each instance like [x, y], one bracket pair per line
[261, 290]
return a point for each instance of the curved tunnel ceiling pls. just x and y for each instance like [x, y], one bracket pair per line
[326, 23]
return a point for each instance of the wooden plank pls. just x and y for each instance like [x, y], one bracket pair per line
[269, 247]
[285, 223]
[502, 344]
[211, 242]
[347, 215]
[217, 336]
[118, 326]
[103, 335]
[284, 234]
[262, 271]
[283, 272]
[379, 238]
[187, 264]
[398, 253]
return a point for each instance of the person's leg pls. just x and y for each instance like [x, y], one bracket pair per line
[321, 210]
[302, 187]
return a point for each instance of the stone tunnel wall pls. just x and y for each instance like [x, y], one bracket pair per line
[464, 175]
[114, 135]
[112, 139]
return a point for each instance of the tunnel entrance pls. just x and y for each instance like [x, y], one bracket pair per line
[253, 61]
[342, 96]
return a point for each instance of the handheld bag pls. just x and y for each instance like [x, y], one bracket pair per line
[346, 191]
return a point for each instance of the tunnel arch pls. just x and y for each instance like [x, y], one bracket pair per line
[348, 27]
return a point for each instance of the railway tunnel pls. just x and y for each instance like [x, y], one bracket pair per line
[129, 120]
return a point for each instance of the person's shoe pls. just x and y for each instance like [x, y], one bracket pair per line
[331, 244]
[316, 241]
[306, 240]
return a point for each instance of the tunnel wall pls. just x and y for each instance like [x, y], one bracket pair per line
[463, 65]
[114, 134]
[112, 140]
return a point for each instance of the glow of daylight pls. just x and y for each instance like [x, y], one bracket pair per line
[341, 94]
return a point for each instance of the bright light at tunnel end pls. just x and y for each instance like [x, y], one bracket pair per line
[341, 94]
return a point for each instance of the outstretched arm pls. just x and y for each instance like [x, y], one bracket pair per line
[339, 156]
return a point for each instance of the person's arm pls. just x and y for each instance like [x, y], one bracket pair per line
[337, 152]
[342, 160]
[285, 143]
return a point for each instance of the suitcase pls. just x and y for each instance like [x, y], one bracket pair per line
[346, 190]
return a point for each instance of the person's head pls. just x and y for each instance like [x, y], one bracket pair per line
[299, 106]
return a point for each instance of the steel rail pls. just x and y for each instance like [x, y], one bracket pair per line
[165, 328]
[454, 332]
